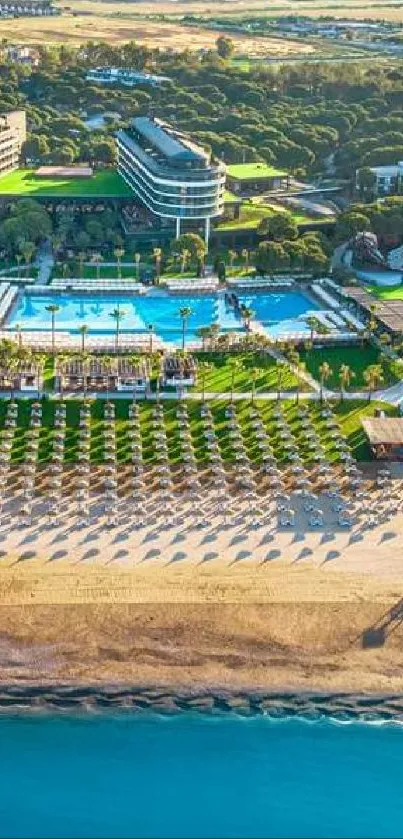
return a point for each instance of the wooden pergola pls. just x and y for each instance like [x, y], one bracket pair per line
[385, 436]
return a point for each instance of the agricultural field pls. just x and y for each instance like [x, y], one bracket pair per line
[159, 24]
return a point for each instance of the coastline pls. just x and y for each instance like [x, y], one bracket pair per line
[87, 699]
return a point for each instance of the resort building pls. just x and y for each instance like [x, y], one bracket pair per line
[12, 135]
[123, 76]
[178, 371]
[172, 176]
[255, 178]
[98, 374]
[385, 436]
[389, 179]
[27, 378]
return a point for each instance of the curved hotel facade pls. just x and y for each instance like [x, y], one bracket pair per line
[169, 174]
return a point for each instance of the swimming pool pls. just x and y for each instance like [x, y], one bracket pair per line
[276, 310]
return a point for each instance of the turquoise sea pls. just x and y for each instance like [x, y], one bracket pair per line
[191, 775]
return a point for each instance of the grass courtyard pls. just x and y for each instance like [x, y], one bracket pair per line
[269, 375]
[395, 293]
[23, 183]
[348, 414]
[253, 212]
[358, 358]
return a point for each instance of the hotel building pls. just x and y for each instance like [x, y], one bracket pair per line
[172, 176]
[12, 135]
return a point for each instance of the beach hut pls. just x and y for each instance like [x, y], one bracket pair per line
[178, 371]
[385, 436]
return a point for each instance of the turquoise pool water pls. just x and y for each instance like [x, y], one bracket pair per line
[273, 309]
[198, 776]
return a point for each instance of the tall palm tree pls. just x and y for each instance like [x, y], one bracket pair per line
[18, 259]
[281, 367]
[151, 330]
[373, 377]
[53, 309]
[81, 257]
[40, 361]
[157, 254]
[185, 313]
[97, 259]
[185, 255]
[119, 253]
[134, 360]
[203, 368]
[27, 249]
[325, 372]
[83, 330]
[118, 314]
[345, 376]
[254, 375]
[312, 323]
[203, 332]
[245, 256]
[247, 314]
[18, 329]
[236, 366]
[137, 260]
[107, 361]
[232, 255]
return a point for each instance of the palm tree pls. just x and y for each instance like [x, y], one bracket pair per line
[18, 259]
[184, 255]
[134, 361]
[97, 262]
[235, 365]
[18, 329]
[312, 323]
[254, 375]
[157, 254]
[27, 249]
[281, 367]
[373, 377]
[245, 256]
[137, 259]
[118, 253]
[185, 313]
[107, 361]
[53, 309]
[118, 314]
[83, 330]
[232, 255]
[325, 372]
[81, 256]
[247, 314]
[40, 361]
[203, 332]
[345, 376]
[151, 330]
[204, 367]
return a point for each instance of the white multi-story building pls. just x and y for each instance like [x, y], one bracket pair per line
[389, 179]
[172, 176]
[13, 133]
[124, 76]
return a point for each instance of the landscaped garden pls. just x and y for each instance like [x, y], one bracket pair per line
[358, 359]
[348, 414]
[104, 183]
[382, 293]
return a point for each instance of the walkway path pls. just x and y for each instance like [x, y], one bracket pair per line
[44, 262]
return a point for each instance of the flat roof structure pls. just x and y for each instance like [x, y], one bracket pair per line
[384, 431]
[64, 172]
[173, 146]
[387, 312]
[23, 183]
[254, 172]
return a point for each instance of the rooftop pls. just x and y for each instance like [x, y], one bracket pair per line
[106, 183]
[384, 430]
[169, 143]
[387, 312]
[254, 171]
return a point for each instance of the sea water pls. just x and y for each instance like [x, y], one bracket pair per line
[189, 775]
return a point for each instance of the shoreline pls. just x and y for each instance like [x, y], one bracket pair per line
[311, 706]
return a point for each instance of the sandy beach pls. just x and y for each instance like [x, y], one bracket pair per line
[235, 604]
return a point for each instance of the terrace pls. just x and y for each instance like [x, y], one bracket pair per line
[105, 183]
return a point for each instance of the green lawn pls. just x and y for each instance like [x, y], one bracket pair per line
[218, 379]
[349, 415]
[358, 358]
[105, 183]
[254, 171]
[252, 212]
[386, 293]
